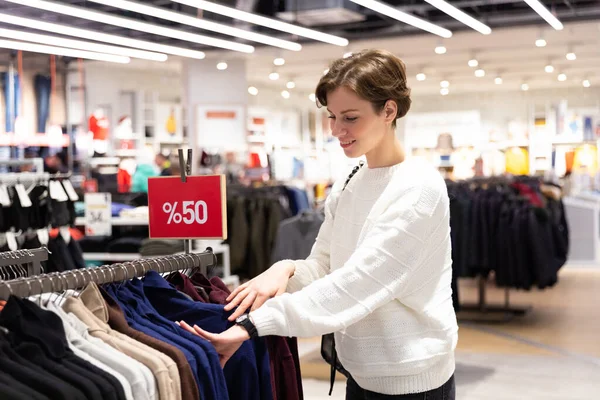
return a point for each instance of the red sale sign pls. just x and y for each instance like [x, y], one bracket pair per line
[195, 209]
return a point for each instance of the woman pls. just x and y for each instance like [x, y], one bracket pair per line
[379, 273]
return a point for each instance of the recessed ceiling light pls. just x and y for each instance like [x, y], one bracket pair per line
[586, 83]
[291, 85]
[562, 77]
[540, 42]
[279, 61]
[480, 73]
[473, 63]
[421, 76]
[549, 68]
[253, 91]
[222, 66]
[444, 84]
[571, 56]
[444, 91]
[440, 50]
[285, 94]
[312, 97]
[273, 76]
[498, 80]
[524, 87]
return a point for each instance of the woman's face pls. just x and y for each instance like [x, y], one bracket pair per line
[355, 123]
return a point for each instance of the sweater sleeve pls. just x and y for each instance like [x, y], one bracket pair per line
[316, 265]
[387, 264]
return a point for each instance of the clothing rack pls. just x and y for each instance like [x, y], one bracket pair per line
[79, 278]
[30, 177]
[38, 163]
[485, 312]
[31, 259]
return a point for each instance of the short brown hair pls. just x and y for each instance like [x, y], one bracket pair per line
[375, 75]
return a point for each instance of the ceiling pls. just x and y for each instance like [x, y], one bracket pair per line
[509, 51]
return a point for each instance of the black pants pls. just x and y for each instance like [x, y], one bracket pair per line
[445, 392]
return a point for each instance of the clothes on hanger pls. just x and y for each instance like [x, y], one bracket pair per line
[120, 341]
[296, 236]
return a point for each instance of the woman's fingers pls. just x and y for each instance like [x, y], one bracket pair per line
[236, 291]
[187, 327]
[238, 299]
[246, 304]
[211, 337]
[260, 300]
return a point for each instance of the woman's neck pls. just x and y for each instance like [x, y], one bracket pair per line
[389, 152]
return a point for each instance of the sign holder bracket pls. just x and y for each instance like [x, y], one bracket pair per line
[185, 167]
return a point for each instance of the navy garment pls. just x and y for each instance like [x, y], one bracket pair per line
[208, 372]
[248, 372]
[137, 322]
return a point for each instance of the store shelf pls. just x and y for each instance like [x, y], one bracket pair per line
[117, 221]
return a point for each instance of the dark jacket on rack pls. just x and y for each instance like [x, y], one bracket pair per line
[286, 378]
[39, 336]
[247, 373]
[117, 321]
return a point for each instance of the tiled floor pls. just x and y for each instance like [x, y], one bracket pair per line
[505, 377]
[552, 353]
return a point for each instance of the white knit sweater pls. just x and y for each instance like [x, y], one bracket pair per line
[379, 276]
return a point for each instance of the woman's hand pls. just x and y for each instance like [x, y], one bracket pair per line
[255, 292]
[226, 343]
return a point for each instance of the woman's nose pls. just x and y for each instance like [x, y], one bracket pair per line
[337, 130]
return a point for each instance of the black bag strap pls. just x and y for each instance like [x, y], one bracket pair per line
[334, 359]
[354, 171]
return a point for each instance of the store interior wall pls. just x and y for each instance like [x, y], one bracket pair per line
[105, 84]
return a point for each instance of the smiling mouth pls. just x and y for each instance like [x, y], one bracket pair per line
[347, 144]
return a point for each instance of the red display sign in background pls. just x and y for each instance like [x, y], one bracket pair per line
[196, 209]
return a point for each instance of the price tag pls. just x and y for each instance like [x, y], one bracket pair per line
[196, 209]
[70, 190]
[11, 241]
[23, 197]
[98, 213]
[43, 236]
[4, 196]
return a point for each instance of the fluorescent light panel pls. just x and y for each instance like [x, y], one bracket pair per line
[460, 16]
[392, 12]
[99, 36]
[200, 23]
[544, 13]
[128, 23]
[81, 45]
[61, 51]
[264, 21]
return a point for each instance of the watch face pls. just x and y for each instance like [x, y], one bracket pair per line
[241, 318]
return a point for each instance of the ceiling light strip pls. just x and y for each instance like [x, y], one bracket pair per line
[460, 16]
[128, 23]
[264, 21]
[80, 45]
[200, 23]
[99, 36]
[543, 12]
[409, 19]
[61, 51]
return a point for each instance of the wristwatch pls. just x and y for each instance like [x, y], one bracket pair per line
[245, 322]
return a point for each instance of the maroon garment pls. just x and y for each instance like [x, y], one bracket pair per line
[526, 191]
[283, 352]
[117, 321]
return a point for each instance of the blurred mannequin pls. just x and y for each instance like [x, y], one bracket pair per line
[99, 127]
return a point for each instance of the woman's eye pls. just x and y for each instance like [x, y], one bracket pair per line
[351, 119]
[331, 117]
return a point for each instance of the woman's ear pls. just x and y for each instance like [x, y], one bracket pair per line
[390, 111]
